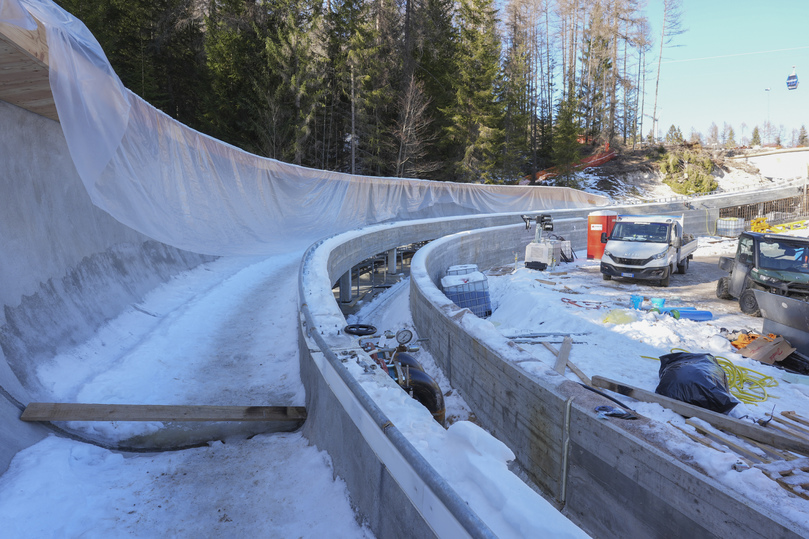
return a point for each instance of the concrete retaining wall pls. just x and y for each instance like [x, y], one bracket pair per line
[612, 478]
[66, 267]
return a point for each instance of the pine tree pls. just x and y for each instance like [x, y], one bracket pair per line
[756, 139]
[234, 44]
[434, 40]
[674, 135]
[476, 114]
[289, 84]
[514, 94]
[566, 146]
[731, 138]
[803, 139]
[155, 48]
[374, 58]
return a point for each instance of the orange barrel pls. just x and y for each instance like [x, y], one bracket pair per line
[598, 222]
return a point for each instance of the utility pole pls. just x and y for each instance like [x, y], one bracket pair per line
[768, 114]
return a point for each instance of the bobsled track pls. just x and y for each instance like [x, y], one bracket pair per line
[94, 216]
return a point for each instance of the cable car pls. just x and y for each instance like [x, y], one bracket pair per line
[792, 80]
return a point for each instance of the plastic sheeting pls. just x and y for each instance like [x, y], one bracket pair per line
[194, 192]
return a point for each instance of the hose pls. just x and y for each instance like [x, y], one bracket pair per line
[747, 385]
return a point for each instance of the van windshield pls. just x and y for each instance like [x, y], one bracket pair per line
[784, 255]
[647, 232]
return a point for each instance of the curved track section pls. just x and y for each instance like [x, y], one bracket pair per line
[610, 480]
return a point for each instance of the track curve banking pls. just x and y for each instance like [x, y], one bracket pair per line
[614, 481]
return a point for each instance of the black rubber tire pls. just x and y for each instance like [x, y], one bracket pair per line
[363, 330]
[606, 277]
[683, 267]
[723, 288]
[748, 303]
[665, 281]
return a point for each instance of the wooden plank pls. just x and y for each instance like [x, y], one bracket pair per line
[795, 417]
[726, 423]
[32, 43]
[561, 357]
[578, 372]
[743, 451]
[50, 411]
[787, 428]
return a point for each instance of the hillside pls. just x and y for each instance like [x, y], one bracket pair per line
[635, 175]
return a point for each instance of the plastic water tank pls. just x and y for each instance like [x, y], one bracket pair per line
[598, 222]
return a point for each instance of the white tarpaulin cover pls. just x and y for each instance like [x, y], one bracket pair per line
[194, 192]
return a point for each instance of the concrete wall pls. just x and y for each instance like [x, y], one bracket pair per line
[66, 267]
[612, 478]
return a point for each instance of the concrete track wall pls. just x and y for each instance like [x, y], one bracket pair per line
[609, 479]
[66, 267]
[614, 479]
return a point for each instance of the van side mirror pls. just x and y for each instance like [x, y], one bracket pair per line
[603, 237]
[677, 243]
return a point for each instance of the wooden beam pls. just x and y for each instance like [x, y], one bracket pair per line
[721, 421]
[32, 43]
[50, 411]
[564, 353]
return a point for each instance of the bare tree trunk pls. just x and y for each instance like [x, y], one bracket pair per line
[670, 28]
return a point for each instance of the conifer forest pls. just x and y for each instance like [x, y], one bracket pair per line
[455, 90]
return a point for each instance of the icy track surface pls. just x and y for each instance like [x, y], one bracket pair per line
[224, 333]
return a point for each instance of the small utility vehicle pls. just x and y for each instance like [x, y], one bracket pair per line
[647, 247]
[770, 262]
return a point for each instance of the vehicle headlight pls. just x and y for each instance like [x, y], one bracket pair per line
[607, 253]
[768, 279]
[660, 255]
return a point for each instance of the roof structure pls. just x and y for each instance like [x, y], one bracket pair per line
[24, 69]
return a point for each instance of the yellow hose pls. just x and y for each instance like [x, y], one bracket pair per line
[747, 385]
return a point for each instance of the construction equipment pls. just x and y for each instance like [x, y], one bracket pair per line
[769, 262]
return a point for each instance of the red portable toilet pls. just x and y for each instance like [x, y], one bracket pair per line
[598, 222]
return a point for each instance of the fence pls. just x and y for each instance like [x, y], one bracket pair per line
[779, 211]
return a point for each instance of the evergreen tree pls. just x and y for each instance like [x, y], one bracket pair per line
[566, 146]
[756, 139]
[731, 139]
[803, 139]
[373, 55]
[435, 55]
[289, 84]
[476, 114]
[155, 48]
[235, 49]
[674, 135]
[513, 93]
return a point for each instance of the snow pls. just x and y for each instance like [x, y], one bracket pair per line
[225, 333]
[615, 341]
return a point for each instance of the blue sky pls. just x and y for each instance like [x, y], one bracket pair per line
[722, 64]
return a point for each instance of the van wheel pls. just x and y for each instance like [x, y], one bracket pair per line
[682, 267]
[748, 303]
[723, 288]
[606, 277]
[667, 279]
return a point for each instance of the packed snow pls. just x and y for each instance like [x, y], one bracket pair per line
[225, 333]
